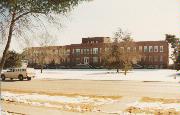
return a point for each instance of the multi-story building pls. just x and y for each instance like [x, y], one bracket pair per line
[153, 53]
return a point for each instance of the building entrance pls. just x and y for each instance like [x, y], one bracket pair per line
[86, 60]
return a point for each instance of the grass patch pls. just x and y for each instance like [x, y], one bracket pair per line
[164, 101]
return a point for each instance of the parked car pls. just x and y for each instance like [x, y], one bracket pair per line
[18, 73]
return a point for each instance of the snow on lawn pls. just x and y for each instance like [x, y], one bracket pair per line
[75, 103]
[95, 74]
[155, 108]
[156, 105]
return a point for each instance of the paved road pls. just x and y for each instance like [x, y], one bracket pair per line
[131, 91]
[106, 88]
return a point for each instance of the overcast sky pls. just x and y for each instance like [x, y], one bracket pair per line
[145, 19]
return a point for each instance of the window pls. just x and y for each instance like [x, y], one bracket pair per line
[68, 52]
[68, 60]
[95, 50]
[100, 59]
[100, 50]
[78, 60]
[155, 48]
[155, 58]
[140, 48]
[86, 60]
[77, 51]
[63, 51]
[10, 70]
[161, 67]
[161, 58]
[72, 51]
[144, 58]
[128, 49]
[134, 49]
[54, 51]
[150, 49]
[81, 51]
[122, 49]
[161, 49]
[95, 59]
[150, 59]
[106, 49]
[145, 49]
[86, 51]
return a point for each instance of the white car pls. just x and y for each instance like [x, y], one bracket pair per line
[18, 73]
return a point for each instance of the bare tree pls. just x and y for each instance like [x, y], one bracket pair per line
[121, 54]
[112, 56]
[43, 51]
[129, 55]
[18, 14]
[61, 54]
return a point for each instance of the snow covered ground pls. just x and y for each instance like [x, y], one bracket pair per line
[157, 105]
[25, 98]
[102, 74]
[74, 103]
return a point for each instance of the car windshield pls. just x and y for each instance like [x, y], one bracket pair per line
[9, 70]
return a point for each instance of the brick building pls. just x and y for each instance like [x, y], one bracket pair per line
[153, 53]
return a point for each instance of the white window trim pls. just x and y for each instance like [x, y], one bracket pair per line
[156, 47]
[145, 48]
[122, 48]
[140, 48]
[95, 59]
[150, 48]
[95, 50]
[161, 47]
[128, 49]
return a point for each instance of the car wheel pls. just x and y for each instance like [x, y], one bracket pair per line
[28, 78]
[20, 77]
[3, 77]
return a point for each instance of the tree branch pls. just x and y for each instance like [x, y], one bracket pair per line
[23, 14]
[26, 13]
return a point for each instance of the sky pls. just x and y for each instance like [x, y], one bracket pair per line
[144, 19]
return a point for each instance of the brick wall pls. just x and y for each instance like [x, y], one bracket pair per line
[153, 53]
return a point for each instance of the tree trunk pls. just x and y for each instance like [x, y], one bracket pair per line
[8, 42]
[41, 68]
[174, 66]
[117, 70]
[125, 72]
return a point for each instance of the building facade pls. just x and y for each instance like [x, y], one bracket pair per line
[153, 53]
